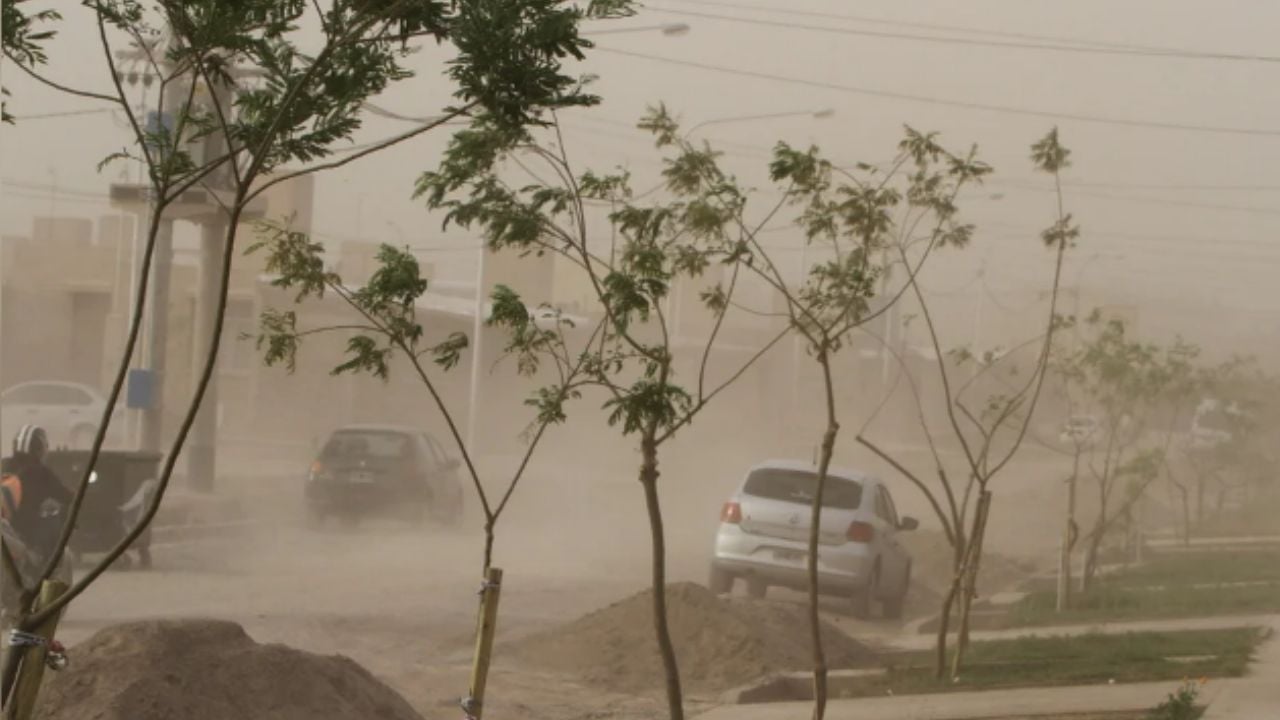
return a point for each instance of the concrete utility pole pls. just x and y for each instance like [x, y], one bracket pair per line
[155, 334]
[205, 205]
[202, 451]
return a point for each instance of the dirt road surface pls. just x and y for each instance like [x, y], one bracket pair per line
[402, 600]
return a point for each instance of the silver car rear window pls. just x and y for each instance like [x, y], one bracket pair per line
[799, 486]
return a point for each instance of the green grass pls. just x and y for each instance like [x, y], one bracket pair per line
[1172, 585]
[1192, 568]
[1118, 603]
[1079, 660]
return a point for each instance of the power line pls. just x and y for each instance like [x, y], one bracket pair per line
[1029, 232]
[1166, 186]
[1140, 199]
[1009, 110]
[1042, 42]
[1066, 184]
[64, 113]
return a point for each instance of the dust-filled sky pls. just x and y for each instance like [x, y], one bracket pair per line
[1171, 216]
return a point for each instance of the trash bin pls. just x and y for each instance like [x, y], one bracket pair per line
[119, 490]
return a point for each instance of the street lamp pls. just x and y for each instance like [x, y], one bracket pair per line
[820, 114]
[674, 302]
[668, 29]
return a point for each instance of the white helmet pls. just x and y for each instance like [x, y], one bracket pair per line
[31, 441]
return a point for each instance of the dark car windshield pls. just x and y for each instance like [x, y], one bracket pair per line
[366, 444]
[799, 486]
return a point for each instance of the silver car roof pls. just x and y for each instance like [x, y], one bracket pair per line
[806, 466]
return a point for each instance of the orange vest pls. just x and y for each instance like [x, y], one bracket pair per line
[11, 489]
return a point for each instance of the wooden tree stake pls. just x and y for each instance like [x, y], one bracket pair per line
[30, 673]
[487, 627]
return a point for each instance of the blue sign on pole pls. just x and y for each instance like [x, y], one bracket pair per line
[141, 390]
[156, 125]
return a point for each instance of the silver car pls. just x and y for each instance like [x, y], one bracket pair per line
[764, 531]
[68, 412]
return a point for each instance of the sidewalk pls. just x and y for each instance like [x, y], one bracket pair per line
[1256, 696]
[985, 703]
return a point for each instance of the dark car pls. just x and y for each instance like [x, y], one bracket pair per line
[383, 471]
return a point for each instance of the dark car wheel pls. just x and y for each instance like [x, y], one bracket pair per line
[893, 607]
[720, 582]
[415, 514]
[448, 513]
[863, 598]
[313, 517]
[757, 588]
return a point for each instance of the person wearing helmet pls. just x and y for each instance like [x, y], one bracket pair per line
[33, 492]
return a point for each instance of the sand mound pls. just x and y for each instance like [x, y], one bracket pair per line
[720, 643]
[932, 559]
[210, 670]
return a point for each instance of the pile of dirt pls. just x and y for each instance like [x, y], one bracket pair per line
[932, 566]
[210, 670]
[720, 643]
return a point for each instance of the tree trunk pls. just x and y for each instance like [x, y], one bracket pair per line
[1200, 491]
[1186, 516]
[1091, 560]
[1068, 540]
[944, 626]
[649, 480]
[944, 622]
[815, 532]
[815, 622]
[489, 538]
[970, 576]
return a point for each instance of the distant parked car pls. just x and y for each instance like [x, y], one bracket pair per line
[1078, 430]
[764, 531]
[383, 471]
[1213, 422]
[69, 412]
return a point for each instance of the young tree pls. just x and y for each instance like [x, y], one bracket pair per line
[650, 248]
[989, 435]
[386, 324]
[849, 220]
[1131, 384]
[303, 100]
[1226, 449]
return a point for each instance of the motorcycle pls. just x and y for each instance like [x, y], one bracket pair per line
[28, 559]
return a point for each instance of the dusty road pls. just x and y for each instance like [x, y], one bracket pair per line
[402, 600]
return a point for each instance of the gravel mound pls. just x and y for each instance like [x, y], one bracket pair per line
[210, 670]
[720, 643]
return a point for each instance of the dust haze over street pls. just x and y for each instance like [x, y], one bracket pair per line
[936, 335]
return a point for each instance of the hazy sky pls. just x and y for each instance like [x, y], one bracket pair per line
[1167, 213]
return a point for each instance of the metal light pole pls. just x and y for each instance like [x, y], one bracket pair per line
[147, 424]
[820, 114]
[668, 29]
[675, 302]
